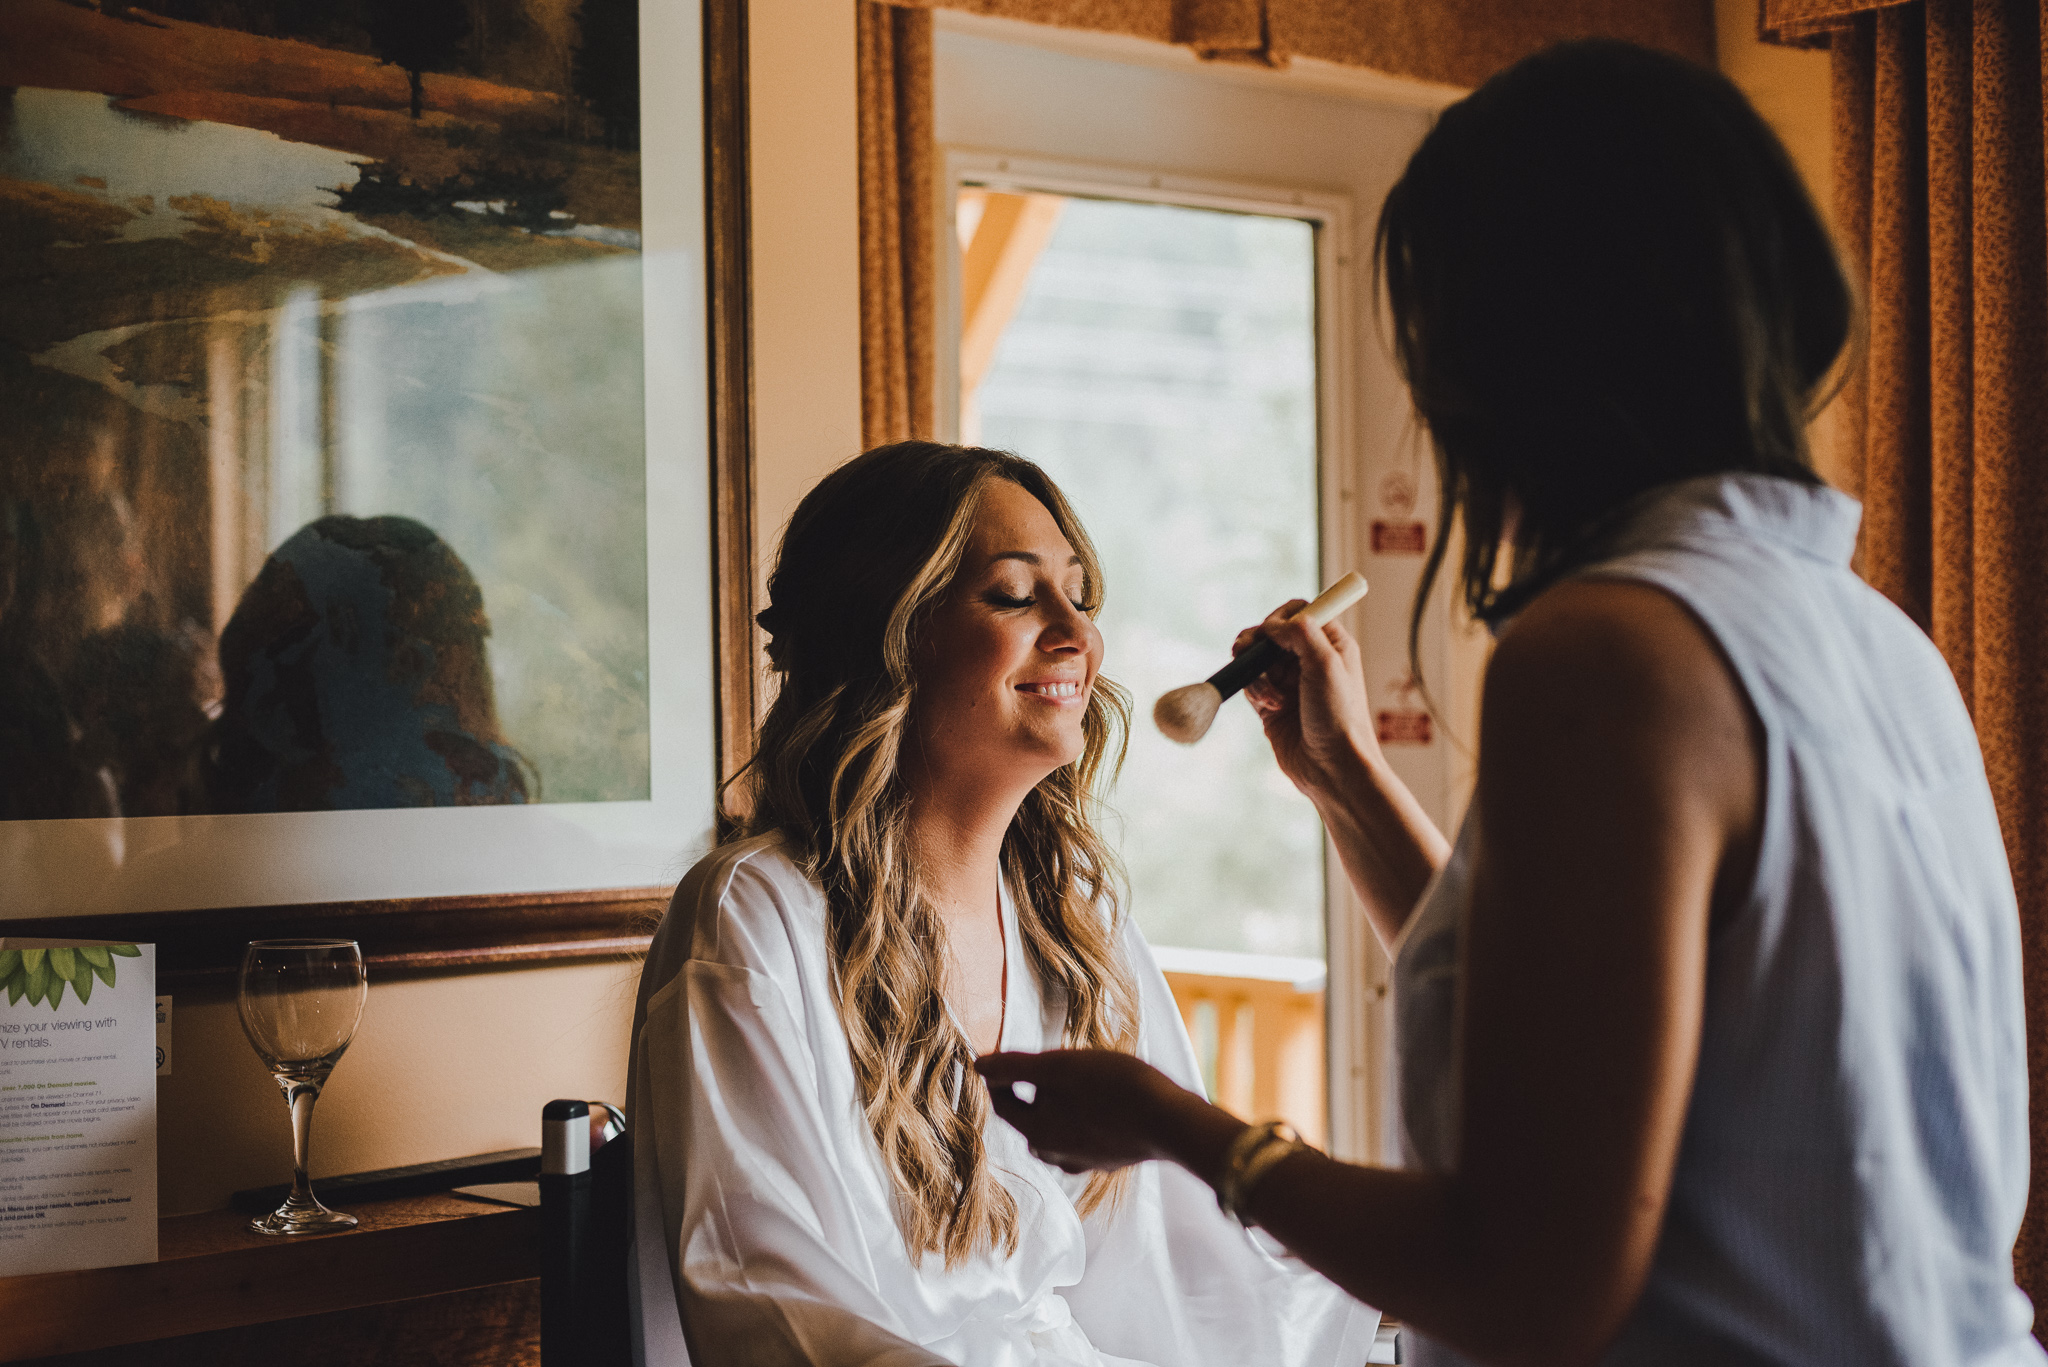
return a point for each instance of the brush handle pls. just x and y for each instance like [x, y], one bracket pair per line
[1254, 660]
[1262, 654]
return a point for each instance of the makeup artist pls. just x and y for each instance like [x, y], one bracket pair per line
[1709, 1025]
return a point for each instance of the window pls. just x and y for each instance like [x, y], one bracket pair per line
[1166, 309]
[1159, 361]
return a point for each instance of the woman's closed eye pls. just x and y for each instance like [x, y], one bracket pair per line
[1011, 602]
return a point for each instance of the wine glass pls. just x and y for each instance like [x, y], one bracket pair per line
[300, 1002]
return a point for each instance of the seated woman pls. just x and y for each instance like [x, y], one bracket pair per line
[922, 883]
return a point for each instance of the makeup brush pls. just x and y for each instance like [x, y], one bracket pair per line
[1184, 714]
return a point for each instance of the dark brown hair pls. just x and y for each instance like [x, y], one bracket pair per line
[1604, 276]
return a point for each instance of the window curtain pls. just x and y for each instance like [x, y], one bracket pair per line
[1941, 167]
[1455, 42]
[897, 249]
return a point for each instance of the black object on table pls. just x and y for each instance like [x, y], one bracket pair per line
[586, 1199]
[417, 1179]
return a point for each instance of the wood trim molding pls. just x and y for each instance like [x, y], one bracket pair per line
[403, 937]
[729, 263]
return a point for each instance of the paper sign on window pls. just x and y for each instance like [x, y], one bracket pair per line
[1404, 719]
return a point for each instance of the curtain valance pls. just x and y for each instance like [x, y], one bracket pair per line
[1452, 42]
[1807, 23]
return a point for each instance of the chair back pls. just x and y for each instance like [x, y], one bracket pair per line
[586, 1201]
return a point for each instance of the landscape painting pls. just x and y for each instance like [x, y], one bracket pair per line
[323, 450]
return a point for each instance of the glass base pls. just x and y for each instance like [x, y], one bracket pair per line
[294, 1218]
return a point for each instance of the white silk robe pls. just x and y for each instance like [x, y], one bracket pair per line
[763, 1202]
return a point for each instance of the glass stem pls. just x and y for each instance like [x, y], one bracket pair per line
[300, 1094]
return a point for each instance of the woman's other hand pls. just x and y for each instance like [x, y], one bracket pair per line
[1312, 702]
[1094, 1109]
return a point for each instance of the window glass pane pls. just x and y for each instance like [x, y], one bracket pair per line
[1160, 364]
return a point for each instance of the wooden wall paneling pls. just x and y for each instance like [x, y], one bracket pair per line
[489, 1326]
[400, 937]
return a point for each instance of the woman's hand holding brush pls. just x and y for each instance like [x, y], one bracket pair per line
[1312, 702]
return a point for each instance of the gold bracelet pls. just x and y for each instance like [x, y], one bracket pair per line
[1252, 1155]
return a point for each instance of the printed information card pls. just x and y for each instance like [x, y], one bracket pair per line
[78, 1061]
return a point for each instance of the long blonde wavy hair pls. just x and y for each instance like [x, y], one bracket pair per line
[869, 554]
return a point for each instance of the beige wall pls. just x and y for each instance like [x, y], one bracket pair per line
[806, 245]
[440, 1068]
[1789, 87]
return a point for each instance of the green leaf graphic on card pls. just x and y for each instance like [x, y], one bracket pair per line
[42, 974]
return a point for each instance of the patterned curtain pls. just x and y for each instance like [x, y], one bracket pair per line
[1452, 42]
[897, 249]
[1941, 169]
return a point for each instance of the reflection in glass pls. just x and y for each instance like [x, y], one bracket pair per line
[260, 278]
[357, 675]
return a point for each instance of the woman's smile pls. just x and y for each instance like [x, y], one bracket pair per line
[1058, 692]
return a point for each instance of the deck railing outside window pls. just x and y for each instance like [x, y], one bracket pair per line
[1257, 1023]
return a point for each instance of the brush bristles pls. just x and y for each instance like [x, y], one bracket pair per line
[1184, 714]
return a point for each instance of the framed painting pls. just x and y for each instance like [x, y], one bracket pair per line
[374, 384]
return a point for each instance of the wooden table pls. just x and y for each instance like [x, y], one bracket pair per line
[213, 1275]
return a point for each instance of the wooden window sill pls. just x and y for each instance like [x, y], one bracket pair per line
[212, 1273]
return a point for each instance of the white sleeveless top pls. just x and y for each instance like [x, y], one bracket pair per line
[1854, 1163]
